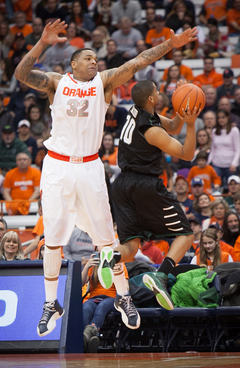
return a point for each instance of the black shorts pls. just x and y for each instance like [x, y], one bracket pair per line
[145, 209]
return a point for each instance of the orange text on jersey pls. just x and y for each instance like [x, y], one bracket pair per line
[79, 92]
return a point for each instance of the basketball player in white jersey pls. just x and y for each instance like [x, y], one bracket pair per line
[73, 180]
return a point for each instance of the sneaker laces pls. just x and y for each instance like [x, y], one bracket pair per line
[46, 311]
[128, 306]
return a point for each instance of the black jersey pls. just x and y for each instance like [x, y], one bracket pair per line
[134, 152]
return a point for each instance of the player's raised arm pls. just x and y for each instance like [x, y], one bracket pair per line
[34, 78]
[115, 77]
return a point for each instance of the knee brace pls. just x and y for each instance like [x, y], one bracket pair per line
[52, 261]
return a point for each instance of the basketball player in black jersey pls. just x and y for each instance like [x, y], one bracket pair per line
[144, 207]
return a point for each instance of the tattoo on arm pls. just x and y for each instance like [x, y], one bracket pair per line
[34, 78]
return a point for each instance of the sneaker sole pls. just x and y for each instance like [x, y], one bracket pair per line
[105, 273]
[125, 319]
[160, 295]
[93, 345]
[51, 324]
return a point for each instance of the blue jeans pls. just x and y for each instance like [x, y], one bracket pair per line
[224, 174]
[95, 312]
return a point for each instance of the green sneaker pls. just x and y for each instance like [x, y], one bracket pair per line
[157, 282]
[106, 264]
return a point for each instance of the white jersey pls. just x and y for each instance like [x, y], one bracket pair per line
[78, 115]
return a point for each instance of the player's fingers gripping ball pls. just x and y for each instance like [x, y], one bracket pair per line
[188, 96]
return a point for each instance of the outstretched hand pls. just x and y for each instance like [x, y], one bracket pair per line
[178, 40]
[51, 32]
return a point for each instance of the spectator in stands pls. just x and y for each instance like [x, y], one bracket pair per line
[100, 302]
[39, 129]
[10, 146]
[114, 120]
[8, 82]
[126, 8]
[152, 251]
[6, 39]
[236, 201]
[224, 246]
[170, 85]
[211, 100]
[97, 44]
[59, 68]
[202, 207]
[149, 24]
[209, 78]
[21, 25]
[211, 180]
[126, 38]
[228, 87]
[150, 72]
[236, 103]
[123, 92]
[212, 9]
[185, 71]
[233, 18]
[163, 104]
[159, 33]
[210, 121]
[16, 104]
[21, 183]
[103, 14]
[6, 118]
[29, 100]
[11, 247]
[102, 65]
[196, 227]
[19, 49]
[215, 42]
[108, 152]
[24, 136]
[3, 228]
[224, 104]
[113, 59]
[175, 17]
[24, 6]
[233, 188]
[203, 143]
[231, 228]
[79, 246]
[197, 188]
[190, 19]
[72, 36]
[32, 38]
[189, 5]
[181, 189]
[52, 11]
[225, 151]
[82, 19]
[210, 254]
[61, 52]
[219, 208]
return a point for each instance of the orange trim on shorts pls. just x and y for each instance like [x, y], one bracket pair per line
[73, 159]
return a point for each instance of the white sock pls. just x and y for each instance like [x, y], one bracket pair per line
[119, 279]
[51, 290]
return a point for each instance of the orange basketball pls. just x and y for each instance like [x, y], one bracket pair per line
[188, 95]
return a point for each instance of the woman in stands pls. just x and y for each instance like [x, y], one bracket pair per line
[11, 247]
[170, 85]
[8, 82]
[219, 208]
[108, 152]
[225, 149]
[84, 22]
[210, 254]
[202, 207]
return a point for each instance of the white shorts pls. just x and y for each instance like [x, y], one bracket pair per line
[75, 194]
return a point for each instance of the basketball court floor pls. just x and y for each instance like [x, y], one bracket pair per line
[108, 360]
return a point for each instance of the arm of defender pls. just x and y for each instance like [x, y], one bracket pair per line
[115, 77]
[37, 79]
